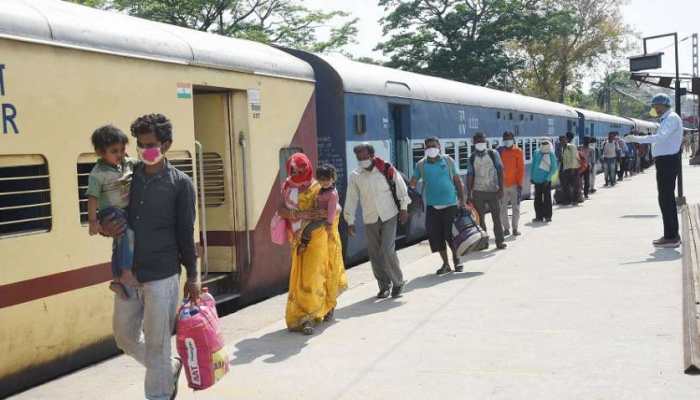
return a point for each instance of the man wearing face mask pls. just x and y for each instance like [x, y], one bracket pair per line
[570, 177]
[162, 215]
[378, 187]
[444, 193]
[667, 150]
[485, 185]
[513, 174]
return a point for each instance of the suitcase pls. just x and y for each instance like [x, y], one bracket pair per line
[467, 235]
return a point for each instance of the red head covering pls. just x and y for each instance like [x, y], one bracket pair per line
[301, 163]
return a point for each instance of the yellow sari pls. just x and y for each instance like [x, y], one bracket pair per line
[318, 274]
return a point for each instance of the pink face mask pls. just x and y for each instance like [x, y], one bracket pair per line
[151, 155]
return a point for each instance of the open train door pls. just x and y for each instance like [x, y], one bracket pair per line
[216, 197]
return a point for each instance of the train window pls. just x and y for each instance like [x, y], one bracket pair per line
[532, 118]
[84, 166]
[510, 116]
[213, 177]
[418, 152]
[285, 153]
[463, 150]
[520, 143]
[25, 195]
[498, 115]
[360, 124]
[450, 150]
[182, 160]
[522, 117]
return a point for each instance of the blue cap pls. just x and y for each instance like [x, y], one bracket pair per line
[661, 99]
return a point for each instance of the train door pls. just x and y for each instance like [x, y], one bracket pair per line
[216, 200]
[401, 151]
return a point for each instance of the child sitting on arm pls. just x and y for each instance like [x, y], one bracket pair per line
[108, 198]
[327, 199]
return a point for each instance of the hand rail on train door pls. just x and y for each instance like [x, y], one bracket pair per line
[203, 206]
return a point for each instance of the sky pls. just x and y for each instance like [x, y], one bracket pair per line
[646, 17]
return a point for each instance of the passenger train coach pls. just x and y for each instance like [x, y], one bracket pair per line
[239, 110]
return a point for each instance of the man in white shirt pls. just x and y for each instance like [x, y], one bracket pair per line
[667, 151]
[382, 193]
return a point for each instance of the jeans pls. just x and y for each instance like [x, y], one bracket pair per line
[621, 170]
[543, 200]
[490, 199]
[143, 325]
[510, 195]
[586, 175]
[666, 173]
[123, 245]
[381, 246]
[610, 166]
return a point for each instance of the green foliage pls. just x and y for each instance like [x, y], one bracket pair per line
[557, 59]
[466, 40]
[280, 22]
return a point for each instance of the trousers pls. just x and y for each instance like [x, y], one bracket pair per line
[543, 200]
[511, 195]
[667, 168]
[143, 325]
[490, 200]
[381, 246]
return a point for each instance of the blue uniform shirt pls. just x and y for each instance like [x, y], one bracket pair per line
[438, 188]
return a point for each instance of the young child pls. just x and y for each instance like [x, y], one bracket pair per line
[327, 199]
[108, 198]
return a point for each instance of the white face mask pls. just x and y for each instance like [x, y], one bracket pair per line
[432, 152]
[480, 146]
[546, 148]
[508, 143]
[365, 164]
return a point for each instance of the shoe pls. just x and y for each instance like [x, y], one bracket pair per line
[537, 219]
[176, 377]
[593, 190]
[667, 243]
[506, 232]
[501, 246]
[548, 220]
[459, 268]
[307, 329]
[516, 233]
[329, 316]
[398, 289]
[383, 293]
[585, 197]
[445, 269]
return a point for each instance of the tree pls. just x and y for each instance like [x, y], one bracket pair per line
[556, 59]
[280, 22]
[464, 40]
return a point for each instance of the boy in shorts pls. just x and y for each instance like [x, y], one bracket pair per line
[108, 198]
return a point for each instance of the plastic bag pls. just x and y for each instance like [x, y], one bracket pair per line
[278, 230]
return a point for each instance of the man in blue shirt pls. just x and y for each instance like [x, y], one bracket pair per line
[444, 194]
[667, 151]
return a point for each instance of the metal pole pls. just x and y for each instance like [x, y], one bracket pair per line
[681, 199]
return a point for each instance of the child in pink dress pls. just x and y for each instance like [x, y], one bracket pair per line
[327, 199]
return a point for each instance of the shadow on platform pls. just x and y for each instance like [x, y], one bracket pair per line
[430, 280]
[659, 255]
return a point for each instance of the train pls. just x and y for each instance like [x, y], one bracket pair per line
[239, 109]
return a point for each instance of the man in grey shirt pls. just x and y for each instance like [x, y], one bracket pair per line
[162, 215]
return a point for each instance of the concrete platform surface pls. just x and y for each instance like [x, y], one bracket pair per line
[582, 308]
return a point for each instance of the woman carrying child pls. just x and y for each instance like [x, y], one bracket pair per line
[317, 273]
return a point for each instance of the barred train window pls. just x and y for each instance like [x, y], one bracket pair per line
[463, 156]
[528, 149]
[213, 173]
[181, 160]
[25, 195]
[450, 150]
[418, 152]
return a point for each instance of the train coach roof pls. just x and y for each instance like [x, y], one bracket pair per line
[640, 123]
[376, 80]
[65, 24]
[602, 117]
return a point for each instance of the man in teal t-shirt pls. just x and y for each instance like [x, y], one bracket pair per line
[444, 194]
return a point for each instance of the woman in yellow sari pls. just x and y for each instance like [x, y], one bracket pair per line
[317, 274]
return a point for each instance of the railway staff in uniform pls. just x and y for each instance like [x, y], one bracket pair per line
[444, 194]
[513, 174]
[667, 151]
[378, 187]
[485, 185]
[162, 214]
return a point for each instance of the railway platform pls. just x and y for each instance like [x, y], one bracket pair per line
[582, 308]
